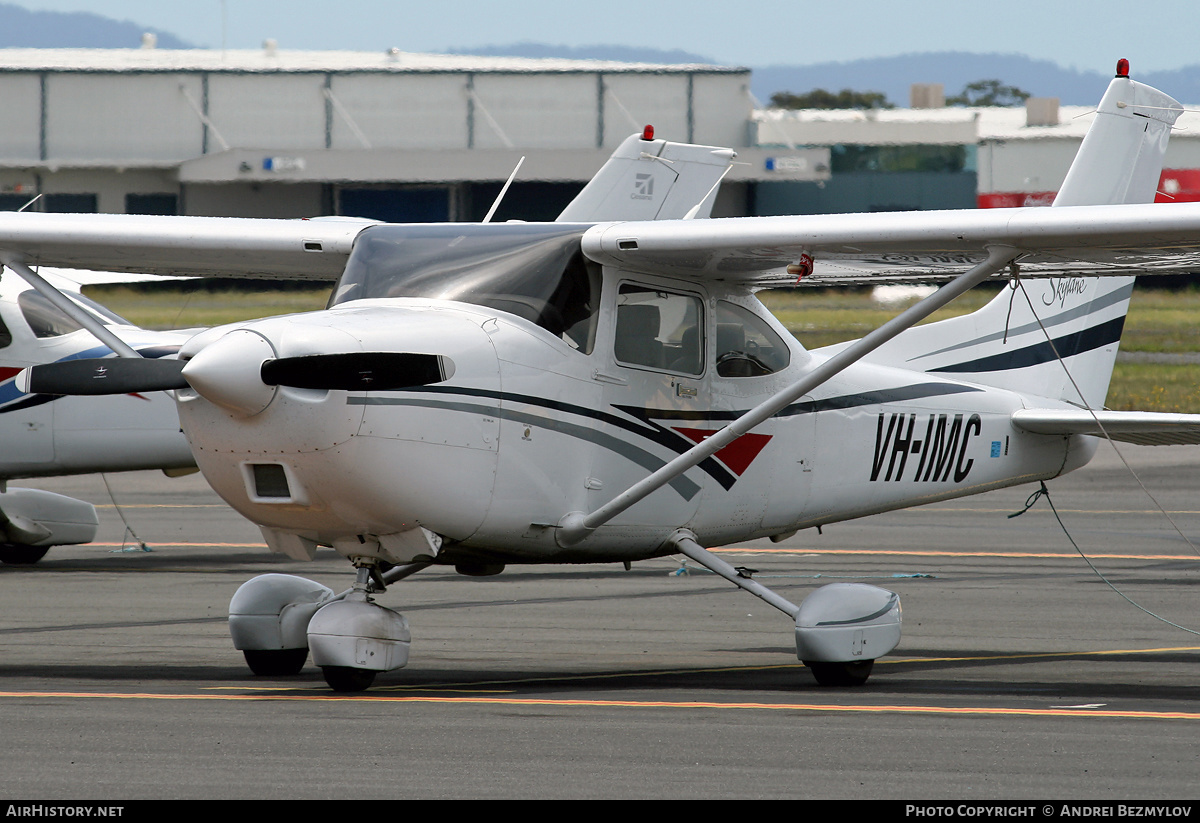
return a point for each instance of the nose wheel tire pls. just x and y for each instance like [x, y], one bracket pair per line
[346, 679]
[840, 674]
[275, 662]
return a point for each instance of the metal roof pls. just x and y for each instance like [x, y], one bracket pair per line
[943, 125]
[278, 60]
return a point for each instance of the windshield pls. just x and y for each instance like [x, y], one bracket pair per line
[534, 271]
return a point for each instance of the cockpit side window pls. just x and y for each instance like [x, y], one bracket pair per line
[746, 345]
[660, 330]
[5, 335]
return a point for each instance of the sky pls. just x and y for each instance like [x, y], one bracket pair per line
[1079, 34]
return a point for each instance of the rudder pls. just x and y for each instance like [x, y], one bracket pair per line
[1003, 344]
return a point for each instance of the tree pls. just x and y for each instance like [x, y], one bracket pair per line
[821, 99]
[988, 93]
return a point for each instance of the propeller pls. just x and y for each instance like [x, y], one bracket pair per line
[356, 371]
[110, 375]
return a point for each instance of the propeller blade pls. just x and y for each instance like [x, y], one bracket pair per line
[358, 371]
[109, 375]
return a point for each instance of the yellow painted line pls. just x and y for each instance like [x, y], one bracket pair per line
[633, 704]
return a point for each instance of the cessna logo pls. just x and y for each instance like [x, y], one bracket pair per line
[944, 447]
[643, 187]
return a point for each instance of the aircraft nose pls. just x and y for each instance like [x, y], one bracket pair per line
[228, 372]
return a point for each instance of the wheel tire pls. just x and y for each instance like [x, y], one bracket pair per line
[275, 662]
[19, 554]
[346, 679]
[840, 674]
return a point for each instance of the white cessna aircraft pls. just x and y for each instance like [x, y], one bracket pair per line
[482, 395]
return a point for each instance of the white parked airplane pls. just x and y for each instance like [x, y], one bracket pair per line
[47, 435]
[483, 395]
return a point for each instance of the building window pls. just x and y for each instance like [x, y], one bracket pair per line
[70, 203]
[152, 204]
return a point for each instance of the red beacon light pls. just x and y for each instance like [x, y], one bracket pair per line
[1122, 68]
[648, 133]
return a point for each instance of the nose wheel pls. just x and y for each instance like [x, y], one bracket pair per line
[346, 679]
[840, 674]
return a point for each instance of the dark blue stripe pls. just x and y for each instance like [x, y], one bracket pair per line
[1068, 345]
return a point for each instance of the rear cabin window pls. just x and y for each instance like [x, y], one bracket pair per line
[660, 330]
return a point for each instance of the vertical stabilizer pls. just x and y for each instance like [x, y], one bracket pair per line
[1002, 344]
[647, 179]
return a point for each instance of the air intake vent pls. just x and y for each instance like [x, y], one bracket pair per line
[270, 480]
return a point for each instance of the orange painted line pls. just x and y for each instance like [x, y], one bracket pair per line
[928, 553]
[163, 506]
[638, 704]
[184, 545]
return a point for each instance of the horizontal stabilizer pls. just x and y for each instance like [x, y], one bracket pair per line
[1142, 428]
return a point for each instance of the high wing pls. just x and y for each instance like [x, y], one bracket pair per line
[906, 246]
[757, 251]
[193, 246]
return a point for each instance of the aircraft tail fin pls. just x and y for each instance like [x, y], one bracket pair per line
[1003, 344]
[647, 179]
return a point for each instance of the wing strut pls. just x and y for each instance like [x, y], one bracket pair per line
[72, 309]
[576, 526]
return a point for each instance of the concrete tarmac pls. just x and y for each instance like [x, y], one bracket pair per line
[1021, 674]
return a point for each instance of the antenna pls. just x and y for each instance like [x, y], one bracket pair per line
[503, 191]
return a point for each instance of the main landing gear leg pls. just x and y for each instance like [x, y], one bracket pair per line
[840, 629]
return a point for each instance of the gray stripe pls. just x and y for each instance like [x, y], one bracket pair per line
[1102, 302]
[891, 604]
[686, 487]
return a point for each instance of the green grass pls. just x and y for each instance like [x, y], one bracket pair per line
[178, 309]
[1158, 321]
[1155, 387]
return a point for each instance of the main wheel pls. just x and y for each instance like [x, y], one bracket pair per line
[20, 554]
[346, 679]
[275, 662]
[840, 674]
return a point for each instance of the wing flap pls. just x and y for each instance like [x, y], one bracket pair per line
[1142, 428]
[186, 246]
[897, 246]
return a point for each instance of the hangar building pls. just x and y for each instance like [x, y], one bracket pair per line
[393, 135]
[418, 137]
